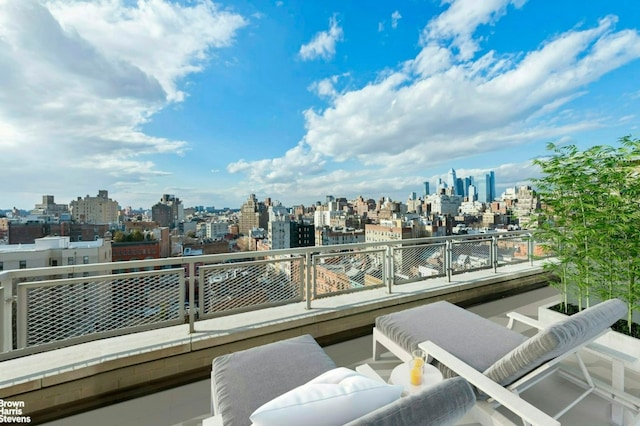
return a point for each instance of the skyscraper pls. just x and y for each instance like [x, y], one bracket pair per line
[472, 193]
[451, 181]
[482, 188]
[467, 184]
[491, 183]
[460, 187]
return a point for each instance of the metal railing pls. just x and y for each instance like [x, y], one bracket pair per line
[45, 308]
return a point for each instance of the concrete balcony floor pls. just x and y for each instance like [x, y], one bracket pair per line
[188, 405]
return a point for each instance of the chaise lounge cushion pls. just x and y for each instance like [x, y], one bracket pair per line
[442, 404]
[556, 340]
[333, 398]
[477, 341]
[243, 381]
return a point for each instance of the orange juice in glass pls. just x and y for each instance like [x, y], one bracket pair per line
[416, 367]
[415, 377]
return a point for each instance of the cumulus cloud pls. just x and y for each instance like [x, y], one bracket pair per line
[455, 108]
[326, 86]
[323, 44]
[297, 163]
[459, 22]
[448, 103]
[79, 80]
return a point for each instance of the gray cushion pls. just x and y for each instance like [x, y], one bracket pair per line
[556, 340]
[441, 404]
[245, 380]
[475, 340]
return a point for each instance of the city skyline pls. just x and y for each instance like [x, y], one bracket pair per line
[441, 187]
[212, 101]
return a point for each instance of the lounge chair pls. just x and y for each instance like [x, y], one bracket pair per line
[244, 381]
[495, 359]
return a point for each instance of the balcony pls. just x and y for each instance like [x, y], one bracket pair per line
[114, 335]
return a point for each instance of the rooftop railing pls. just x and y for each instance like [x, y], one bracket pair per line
[47, 308]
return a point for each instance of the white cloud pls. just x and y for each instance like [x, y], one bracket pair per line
[445, 105]
[380, 27]
[326, 86]
[455, 108]
[459, 22]
[298, 163]
[395, 17]
[171, 41]
[323, 44]
[79, 80]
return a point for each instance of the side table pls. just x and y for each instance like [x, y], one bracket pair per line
[400, 375]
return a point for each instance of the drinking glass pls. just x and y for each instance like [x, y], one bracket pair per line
[416, 367]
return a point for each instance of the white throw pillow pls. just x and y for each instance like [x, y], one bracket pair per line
[333, 398]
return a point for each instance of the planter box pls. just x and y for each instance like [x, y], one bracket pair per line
[627, 345]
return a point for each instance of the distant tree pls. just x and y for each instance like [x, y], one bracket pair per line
[136, 235]
[119, 237]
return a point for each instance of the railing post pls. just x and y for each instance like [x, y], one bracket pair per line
[389, 276]
[21, 317]
[192, 296]
[531, 248]
[307, 280]
[494, 253]
[6, 312]
[448, 258]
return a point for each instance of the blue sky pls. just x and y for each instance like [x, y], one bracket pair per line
[295, 100]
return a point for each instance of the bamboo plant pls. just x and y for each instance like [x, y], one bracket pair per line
[590, 220]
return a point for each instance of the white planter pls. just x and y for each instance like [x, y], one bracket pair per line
[614, 340]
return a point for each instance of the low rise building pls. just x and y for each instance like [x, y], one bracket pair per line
[326, 236]
[54, 251]
[135, 250]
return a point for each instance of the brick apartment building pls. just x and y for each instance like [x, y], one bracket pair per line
[27, 233]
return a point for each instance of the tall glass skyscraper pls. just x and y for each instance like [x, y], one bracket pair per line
[460, 187]
[482, 188]
[451, 181]
[486, 187]
[491, 183]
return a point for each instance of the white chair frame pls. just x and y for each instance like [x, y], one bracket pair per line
[509, 396]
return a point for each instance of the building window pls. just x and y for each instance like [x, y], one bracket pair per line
[23, 264]
[85, 259]
[1, 266]
[70, 260]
